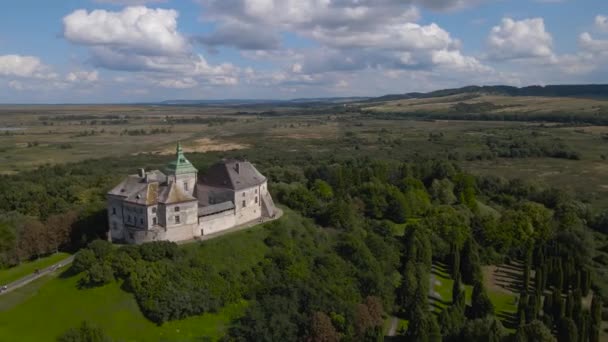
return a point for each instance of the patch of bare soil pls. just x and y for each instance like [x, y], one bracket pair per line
[504, 278]
[206, 145]
[302, 136]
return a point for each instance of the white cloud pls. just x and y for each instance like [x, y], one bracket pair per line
[525, 38]
[128, 2]
[453, 59]
[601, 22]
[590, 44]
[177, 83]
[347, 35]
[140, 39]
[24, 66]
[82, 76]
[151, 32]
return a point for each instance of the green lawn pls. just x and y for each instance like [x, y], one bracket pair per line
[55, 305]
[503, 302]
[444, 288]
[19, 271]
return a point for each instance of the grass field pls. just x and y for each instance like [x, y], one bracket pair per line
[11, 274]
[442, 288]
[506, 104]
[56, 134]
[55, 304]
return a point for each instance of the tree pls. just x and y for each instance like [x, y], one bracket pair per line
[481, 306]
[442, 191]
[465, 190]
[32, 240]
[487, 329]
[455, 264]
[596, 318]
[536, 331]
[423, 327]
[323, 190]
[83, 260]
[566, 331]
[87, 332]
[458, 294]
[321, 329]
[58, 229]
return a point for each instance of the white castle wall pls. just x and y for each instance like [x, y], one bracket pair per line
[217, 223]
[248, 204]
[115, 218]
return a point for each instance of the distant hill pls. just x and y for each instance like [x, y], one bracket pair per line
[249, 102]
[585, 90]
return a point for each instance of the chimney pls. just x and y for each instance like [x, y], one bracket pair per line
[142, 173]
[237, 167]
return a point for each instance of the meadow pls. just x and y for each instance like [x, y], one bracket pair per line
[57, 303]
[569, 156]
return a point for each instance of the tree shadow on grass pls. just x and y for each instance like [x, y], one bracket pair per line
[67, 273]
[508, 319]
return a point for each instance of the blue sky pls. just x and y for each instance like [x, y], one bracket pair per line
[137, 50]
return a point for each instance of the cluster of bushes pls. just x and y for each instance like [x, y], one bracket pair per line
[211, 121]
[168, 283]
[137, 132]
[598, 118]
[521, 147]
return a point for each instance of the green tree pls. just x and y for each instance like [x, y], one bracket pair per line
[481, 306]
[487, 329]
[86, 332]
[536, 331]
[323, 190]
[595, 318]
[566, 331]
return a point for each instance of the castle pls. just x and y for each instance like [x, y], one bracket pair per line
[182, 205]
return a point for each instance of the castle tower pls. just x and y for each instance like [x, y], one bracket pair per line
[182, 172]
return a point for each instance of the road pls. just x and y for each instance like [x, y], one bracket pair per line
[31, 277]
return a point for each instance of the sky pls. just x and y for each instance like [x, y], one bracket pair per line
[123, 51]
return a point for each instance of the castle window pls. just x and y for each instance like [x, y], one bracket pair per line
[141, 221]
[154, 221]
[154, 210]
[256, 199]
[177, 219]
[244, 204]
[186, 186]
[129, 218]
[113, 211]
[176, 209]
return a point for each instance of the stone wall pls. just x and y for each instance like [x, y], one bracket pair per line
[217, 222]
[115, 218]
[248, 204]
[186, 182]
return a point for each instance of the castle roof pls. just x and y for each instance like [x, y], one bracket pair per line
[233, 174]
[172, 193]
[180, 165]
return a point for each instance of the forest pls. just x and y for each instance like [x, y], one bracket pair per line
[360, 243]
